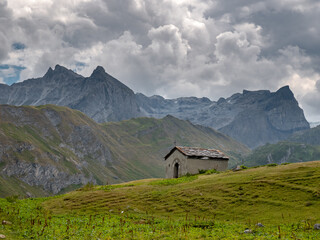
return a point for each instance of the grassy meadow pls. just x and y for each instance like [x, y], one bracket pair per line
[284, 198]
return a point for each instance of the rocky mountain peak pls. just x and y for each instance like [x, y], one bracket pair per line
[99, 69]
[49, 73]
[99, 72]
[59, 68]
[63, 70]
[285, 93]
[58, 71]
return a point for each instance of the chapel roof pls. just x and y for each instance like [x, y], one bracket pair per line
[198, 152]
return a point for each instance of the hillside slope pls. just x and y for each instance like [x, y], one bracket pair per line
[284, 193]
[56, 149]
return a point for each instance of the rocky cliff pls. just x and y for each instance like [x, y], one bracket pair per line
[50, 149]
[253, 117]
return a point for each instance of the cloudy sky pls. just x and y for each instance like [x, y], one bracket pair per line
[173, 48]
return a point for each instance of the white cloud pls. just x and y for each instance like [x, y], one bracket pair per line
[4, 47]
[169, 47]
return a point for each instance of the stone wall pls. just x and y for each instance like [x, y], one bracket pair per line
[192, 166]
[176, 157]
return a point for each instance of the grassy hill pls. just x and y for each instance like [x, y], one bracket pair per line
[289, 189]
[48, 149]
[286, 199]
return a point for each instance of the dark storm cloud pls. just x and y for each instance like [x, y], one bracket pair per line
[318, 85]
[294, 23]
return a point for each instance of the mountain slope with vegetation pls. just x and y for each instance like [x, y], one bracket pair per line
[310, 136]
[302, 146]
[50, 149]
[283, 152]
[285, 199]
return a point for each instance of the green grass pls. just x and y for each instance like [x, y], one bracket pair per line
[285, 198]
[174, 181]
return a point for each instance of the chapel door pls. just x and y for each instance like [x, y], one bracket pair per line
[176, 170]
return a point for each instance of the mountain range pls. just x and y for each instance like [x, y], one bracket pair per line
[252, 117]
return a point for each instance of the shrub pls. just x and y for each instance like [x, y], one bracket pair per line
[89, 186]
[208, 172]
[243, 167]
[272, 165]
[12, 198]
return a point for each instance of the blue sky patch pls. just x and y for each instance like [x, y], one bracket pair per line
[18, 46]
[79, 66]
[10, 73]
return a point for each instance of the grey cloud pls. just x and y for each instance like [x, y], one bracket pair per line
[4, 47]
[281, 20]
[167, 45]
[318, 85]
[310, 104]
[115, 17]
[176, 48]
[5, 24]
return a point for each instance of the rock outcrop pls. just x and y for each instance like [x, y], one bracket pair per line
[50, 178]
